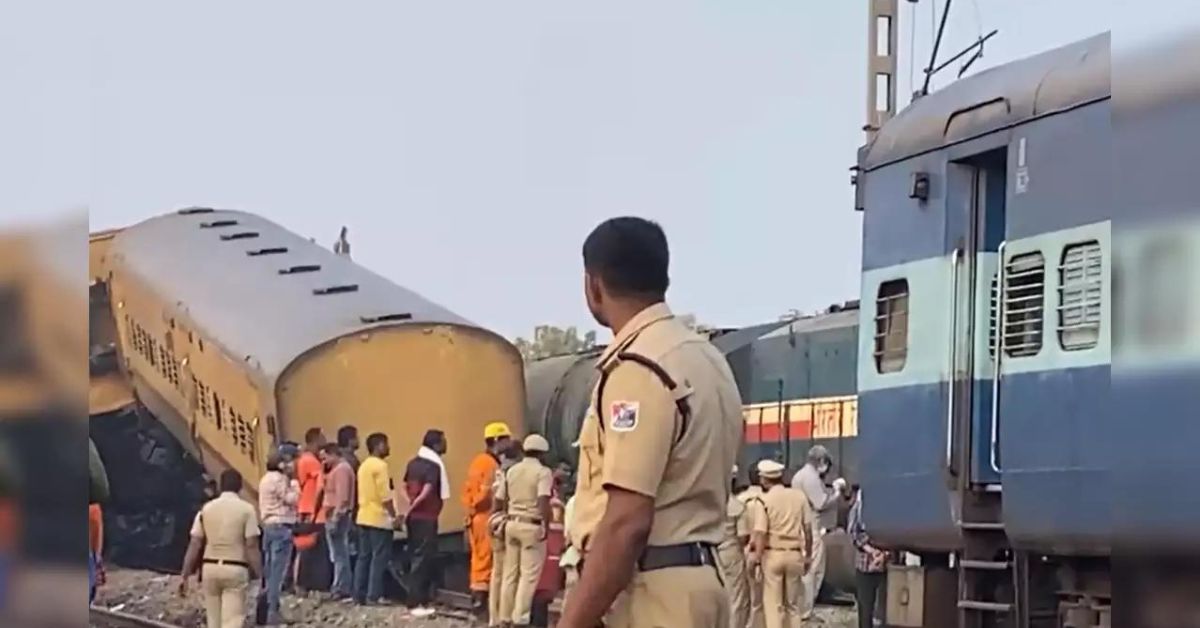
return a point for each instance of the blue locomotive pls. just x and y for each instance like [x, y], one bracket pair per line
[996, 427]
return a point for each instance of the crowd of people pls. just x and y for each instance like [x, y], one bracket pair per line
[655, 531]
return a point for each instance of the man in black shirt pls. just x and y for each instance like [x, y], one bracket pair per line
[428, 488]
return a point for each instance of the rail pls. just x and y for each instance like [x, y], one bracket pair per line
[104, 618]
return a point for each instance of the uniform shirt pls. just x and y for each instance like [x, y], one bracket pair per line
[419, 473]
[374, 490]
[752, 499]
[310, 473]
[277, 498]
[225, 524]
[735, 519]
[570, 556]
[523, 485]
[636, 448]
[822, 498]
[783, 517]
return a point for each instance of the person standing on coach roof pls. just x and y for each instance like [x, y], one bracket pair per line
[225, 539]
[655, 449]
[525, 496]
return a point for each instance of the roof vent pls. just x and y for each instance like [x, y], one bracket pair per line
[218, 223]
[274, 250]
[302, 268]
[350, 287]
[241, 235]
[195, 210]
[386, 318]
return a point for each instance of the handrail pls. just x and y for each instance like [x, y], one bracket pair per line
[955, 259]
[998, 352]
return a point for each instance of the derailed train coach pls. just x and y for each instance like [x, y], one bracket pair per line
[797, 380]
[237, 335]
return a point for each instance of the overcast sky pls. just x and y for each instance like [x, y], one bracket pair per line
[470, 147]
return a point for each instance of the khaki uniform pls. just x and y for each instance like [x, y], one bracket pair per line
[752, 498]
[732, 556]
[524, 537]
[635, 437]
[497, 576]
[225, 524]
[784, 518]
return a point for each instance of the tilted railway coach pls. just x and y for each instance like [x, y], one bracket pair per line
[238, 335]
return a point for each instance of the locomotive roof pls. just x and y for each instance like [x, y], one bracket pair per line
[1055, 80]
[197, 260]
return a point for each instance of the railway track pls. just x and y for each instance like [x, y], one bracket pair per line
[104, 618]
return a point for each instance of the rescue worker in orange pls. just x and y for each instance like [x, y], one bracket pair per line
[477, 503]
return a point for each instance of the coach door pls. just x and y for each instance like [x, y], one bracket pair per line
[976, 194]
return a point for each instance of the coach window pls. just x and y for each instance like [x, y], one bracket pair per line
[1079, 296]
[891, 326]
[1024, 304]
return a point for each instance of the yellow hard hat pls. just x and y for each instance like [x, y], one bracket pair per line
[497, 430]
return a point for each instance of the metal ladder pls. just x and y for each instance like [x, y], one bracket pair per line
[993, 579]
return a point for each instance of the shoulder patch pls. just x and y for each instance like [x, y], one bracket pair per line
[624, 416]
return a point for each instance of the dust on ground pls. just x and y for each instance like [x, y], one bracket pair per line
[155, 596]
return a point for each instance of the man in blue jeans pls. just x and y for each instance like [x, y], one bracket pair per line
[376, 522]
[278, 494]
[339, 508]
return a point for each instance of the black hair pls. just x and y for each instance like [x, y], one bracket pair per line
[375, 440]
[629, 255]
[753, 475]
[433, 438]
[231, 481]
[345, 434]
[311, 435]
[332, 449]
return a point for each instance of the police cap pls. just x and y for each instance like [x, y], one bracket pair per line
[535, 442]
[770, 469]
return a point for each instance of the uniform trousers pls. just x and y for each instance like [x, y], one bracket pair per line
[524, 557]
[676, 597]
[755, 580]
[732, 557]
[783, 588]
[496, 584]
[815, 575]
[225, 595]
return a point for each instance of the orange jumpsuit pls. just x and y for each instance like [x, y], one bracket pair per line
[477, 502]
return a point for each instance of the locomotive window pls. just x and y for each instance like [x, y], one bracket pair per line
[891, 326]
[1079, 297]
[1024, 304]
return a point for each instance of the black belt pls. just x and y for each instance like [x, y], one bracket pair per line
[682, 555]
[785, 549]
[665, 556]
[229, 563]
[536, 522]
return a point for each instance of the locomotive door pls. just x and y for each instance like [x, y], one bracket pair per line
[976, 199]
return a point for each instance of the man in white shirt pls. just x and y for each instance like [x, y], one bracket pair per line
[824, 501]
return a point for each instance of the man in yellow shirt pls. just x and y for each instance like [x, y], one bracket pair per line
[376, 521]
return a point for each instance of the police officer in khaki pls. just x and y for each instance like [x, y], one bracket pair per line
[783, 546]
[225, 539]
[732, 554]
[525, 496]
[752, 498]
[496, 525]
[655, 449]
